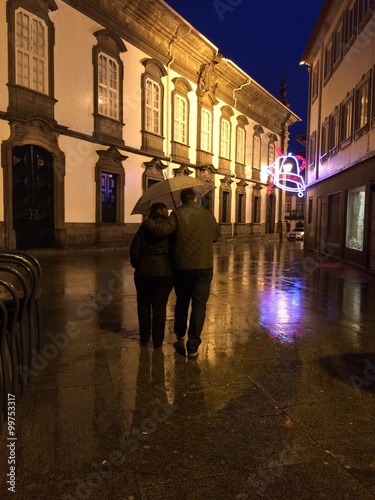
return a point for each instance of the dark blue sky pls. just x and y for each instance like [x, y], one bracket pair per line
[265, 39]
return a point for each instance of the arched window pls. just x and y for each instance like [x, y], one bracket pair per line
[242, 121]
[152, 106]
[108, 85]
[257, 152]
[180, 120]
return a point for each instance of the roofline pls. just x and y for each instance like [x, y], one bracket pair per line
[316, 31]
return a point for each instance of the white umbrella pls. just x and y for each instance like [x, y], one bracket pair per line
[168, 192]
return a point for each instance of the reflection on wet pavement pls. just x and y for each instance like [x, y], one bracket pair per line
[278, 405]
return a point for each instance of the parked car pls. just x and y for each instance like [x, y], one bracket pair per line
[296, 234]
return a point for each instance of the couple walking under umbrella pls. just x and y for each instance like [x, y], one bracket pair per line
[174, 251]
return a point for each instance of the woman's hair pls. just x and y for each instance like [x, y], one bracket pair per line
[158, 211]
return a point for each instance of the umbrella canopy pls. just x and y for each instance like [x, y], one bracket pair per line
[168, 192]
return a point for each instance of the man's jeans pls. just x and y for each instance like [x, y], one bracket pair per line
[194, 286]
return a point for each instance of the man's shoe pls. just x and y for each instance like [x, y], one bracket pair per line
[193, 355]
[179, 347]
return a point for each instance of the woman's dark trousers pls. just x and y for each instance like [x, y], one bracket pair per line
[152, 298]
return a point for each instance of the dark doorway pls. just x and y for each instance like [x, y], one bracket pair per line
[33, 214]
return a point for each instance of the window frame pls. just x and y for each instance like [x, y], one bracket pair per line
[312, 150]
[225, 138]
[324, 140]
[355, 222]
[206, 129]
[106, 127]
[362, 106]
[113, 111]
[180, 125]
[345, 126]
[30, 53]
[240, 145]
[334, 131]
[315, 82]
[351, 19]
[153, 140]
[328, 53]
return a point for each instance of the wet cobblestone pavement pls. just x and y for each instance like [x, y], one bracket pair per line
[280, 403]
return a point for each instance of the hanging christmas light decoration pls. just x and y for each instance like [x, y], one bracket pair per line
[286, 172]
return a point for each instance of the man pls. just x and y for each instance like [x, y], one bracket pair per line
[194, 229]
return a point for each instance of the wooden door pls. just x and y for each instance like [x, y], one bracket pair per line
[32, 197]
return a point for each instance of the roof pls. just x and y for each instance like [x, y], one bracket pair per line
[319, 25]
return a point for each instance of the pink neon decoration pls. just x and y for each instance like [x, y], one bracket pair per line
[282, 174]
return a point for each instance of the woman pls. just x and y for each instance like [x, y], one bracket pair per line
[149, 255]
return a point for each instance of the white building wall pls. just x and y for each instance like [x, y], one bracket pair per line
[74, 41]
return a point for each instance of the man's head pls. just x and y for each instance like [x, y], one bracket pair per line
[187, 195]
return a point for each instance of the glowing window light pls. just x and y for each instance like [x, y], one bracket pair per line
[286, 173]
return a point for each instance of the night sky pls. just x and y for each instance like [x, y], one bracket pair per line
[265, 39]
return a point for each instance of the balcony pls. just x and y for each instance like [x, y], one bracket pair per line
[295, 214]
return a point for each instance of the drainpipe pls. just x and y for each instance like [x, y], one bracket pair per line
[238, 89]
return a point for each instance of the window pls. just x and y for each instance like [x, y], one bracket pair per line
[364, 10]
[287, 207]
[315, 82]
[325, 139]
[206, 124]
[355, 218]
[346, 124]
[256, 152]
[31, 52]
[335, 131]
[312, 150]
[108, 86]
[108, 81]
[180, 119]
[240, 145]
[335, 210]
[338, 44]
[152, 107]
[242, 121]
[351, 23]
[153, 102]
[257, 146]
[300, 209]
[362, 106]
[328, 61]
[225, 139]
[272, 149]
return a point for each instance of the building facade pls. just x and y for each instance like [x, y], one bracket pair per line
[102, 98]
[340, 174]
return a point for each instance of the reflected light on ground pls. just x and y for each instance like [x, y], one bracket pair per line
[281, 313]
